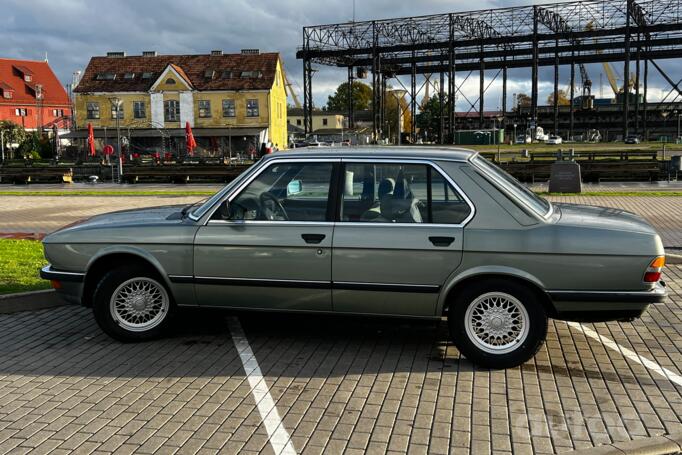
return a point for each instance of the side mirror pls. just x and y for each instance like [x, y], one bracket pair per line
[224, 211]
[294, 187]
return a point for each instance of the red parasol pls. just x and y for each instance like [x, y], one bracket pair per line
[91, 140]
[189, 138]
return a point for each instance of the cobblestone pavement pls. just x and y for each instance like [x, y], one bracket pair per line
[359, 386]
[43, 214]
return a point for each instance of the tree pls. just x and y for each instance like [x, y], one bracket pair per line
[12, 133]
[563, 98]
[428, 119]
[36, 146]
[362, 97]
[523, 100]
[392, 113]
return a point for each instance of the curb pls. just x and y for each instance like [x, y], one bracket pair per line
[672, 258]
[30, 301]
[658, 445]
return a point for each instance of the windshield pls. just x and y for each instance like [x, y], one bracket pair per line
[519, 191]
[203, 208]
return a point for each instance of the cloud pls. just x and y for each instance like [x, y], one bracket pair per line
[71, 31]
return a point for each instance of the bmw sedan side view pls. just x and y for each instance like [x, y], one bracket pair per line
[408, 232]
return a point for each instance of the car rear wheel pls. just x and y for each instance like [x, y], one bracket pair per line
[497, 323]
[131, 304]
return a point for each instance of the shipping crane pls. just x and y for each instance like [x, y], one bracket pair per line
[290, 90]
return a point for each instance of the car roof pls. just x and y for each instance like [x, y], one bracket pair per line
[377, 151]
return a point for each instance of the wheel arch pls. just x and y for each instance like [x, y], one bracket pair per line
[476, 275]
[111, 257]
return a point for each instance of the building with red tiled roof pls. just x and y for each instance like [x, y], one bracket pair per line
[233, 102]
[32, 96]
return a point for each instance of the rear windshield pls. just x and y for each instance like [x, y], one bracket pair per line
[512, 186]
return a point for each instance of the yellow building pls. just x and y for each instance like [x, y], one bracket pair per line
[234, 103]
[322, 120]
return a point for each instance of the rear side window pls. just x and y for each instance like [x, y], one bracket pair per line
[399, 193]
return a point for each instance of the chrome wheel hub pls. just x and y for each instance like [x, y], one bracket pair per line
[496, 322]
[139, 304]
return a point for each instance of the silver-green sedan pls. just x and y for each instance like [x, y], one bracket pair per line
[407, 232]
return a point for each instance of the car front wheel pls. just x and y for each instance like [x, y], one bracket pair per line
[497, 323]
[131, 304]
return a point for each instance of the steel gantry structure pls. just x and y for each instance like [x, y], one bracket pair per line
[569, 33]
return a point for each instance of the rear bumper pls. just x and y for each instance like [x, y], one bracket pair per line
[598, 306]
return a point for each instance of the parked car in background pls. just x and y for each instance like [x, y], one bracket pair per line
[554, 140]
[408, 232]
[632, 139]
[523, 139]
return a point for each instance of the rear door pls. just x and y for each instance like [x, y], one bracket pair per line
[399, 235]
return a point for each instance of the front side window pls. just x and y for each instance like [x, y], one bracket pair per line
[171, 110]
[92, 110]
[204, 108]
[283, 192]
[252, 108]
[139, 109]
[400, 193]
[228, 108]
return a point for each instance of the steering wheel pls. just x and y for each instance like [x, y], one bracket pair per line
[271, 207]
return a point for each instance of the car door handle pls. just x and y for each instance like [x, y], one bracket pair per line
[313, 238]
[441, 241]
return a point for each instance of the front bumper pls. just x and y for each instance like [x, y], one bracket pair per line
[598, 306]
[68, 285]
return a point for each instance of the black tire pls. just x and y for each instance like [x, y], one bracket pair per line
[116, 328]
[472, 347]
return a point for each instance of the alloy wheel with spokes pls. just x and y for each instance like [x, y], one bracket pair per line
[497, 322]
[139, 304]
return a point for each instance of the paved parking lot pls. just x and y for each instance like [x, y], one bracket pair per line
[263, 383]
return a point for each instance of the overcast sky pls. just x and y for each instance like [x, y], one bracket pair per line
[71, 31]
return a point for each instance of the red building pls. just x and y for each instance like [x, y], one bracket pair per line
[31, 95]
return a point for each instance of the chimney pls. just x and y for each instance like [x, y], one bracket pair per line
[217, 52]
[250, 51]
[149, 53]
[116, 54]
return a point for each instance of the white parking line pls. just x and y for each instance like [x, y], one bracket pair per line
[277, 434]
[650, 364]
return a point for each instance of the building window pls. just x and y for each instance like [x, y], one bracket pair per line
[252, 108]
[7, 94]
[139, 109]
[251, 74]
[147, 75]
[21, 112]
[171, 110]
[324, 121]
[28, 77]
[298, 121]
[170, 81]
[228, 108]
[204, 108]
[105, 76]
[114, 111]
[57, 112]
[92, 110]
[129, 76]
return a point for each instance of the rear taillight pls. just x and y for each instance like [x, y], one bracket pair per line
[653, 272]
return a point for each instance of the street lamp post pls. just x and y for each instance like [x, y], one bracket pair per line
[514, 138]
[497, 136]
[399, 94]
[116, 104]
[2, 145]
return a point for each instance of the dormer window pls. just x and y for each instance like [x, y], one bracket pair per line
[251, 74]
[147, 75]
[129, 76]
[105, 76]
[209, 74]
[28, 78]
[170, 81]
[227, 74]
[7, 94]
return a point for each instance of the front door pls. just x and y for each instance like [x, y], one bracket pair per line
[398, 238]
[269, 245]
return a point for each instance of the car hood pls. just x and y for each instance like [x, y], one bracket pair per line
[168, 214]
[601, 218]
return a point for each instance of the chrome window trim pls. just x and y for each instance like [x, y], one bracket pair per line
[427, 162]
[433, 163]
[238, 189]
